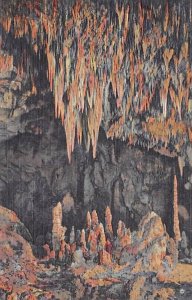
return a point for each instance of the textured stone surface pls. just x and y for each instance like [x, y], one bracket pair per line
[35, 172]
[17, 263]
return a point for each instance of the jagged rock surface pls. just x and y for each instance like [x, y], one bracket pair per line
[17, 263]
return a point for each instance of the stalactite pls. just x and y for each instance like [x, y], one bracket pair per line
[58, 90]
[34, 28]
[6, 62]
[181, 95]
[51, 67]
[126, 26]
[141, 17]
[167, 56]
[181, 163]
[175, 211]
[120, 13]
[70, 130]
[163, 94]
[6, 23]
[20, 26]
[166, 20]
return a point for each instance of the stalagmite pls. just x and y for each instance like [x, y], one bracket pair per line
[104, 256]
[88, 220]
[176, 228]
[72, 235]
[127, 239]
[52, 255]
[62, 246]
[123, 234]
[57, 214]
[108, 221]
[94, 218]
[120, 230]
[47, 250]
[60, 255]
[83, 240]
[92, 241]
[58, 231]
[102, 236]
[173, 251]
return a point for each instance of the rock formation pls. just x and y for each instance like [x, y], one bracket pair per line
[94, 218]
[88, 220]
[17, 262]
[58, 231]
[108, 221]
[176, 215]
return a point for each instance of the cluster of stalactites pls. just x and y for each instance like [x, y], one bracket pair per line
[93, 54]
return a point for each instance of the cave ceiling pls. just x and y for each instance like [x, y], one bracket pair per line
[120, 66]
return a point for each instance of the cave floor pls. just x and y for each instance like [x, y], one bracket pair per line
[66, 283]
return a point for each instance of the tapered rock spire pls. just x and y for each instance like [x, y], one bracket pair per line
[88, 219]
[108, 221]
[58, 231]
[176, 228]
[94, 218]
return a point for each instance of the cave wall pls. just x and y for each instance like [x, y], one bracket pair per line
[36, 174]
